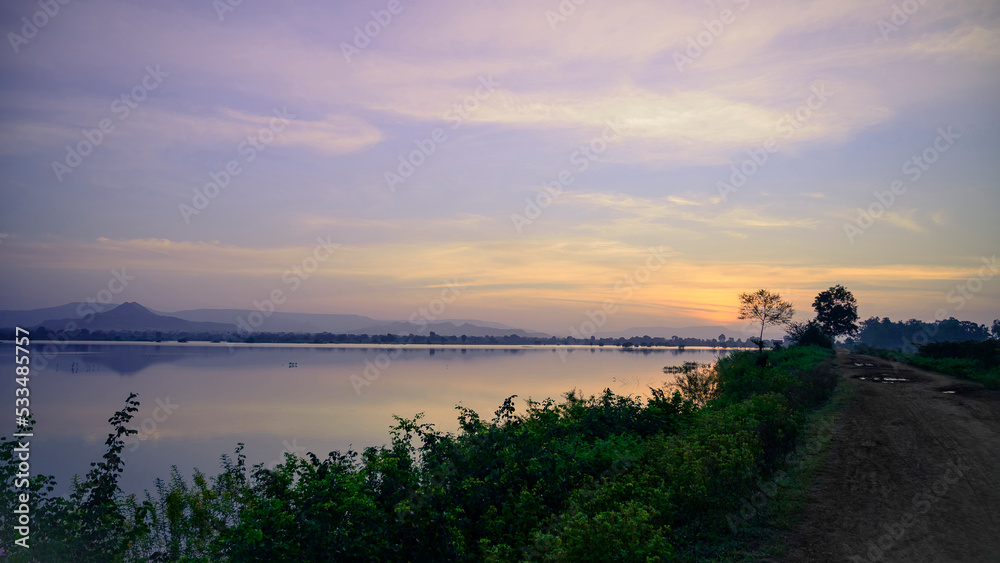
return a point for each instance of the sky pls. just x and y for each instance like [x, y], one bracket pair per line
[532, 162]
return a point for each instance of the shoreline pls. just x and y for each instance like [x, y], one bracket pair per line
[384, 346]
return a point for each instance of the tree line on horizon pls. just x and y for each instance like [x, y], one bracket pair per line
[837, 316]
[42, 333]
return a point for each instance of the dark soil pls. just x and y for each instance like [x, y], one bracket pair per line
[913, 472]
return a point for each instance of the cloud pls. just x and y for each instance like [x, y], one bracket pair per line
[154, 127]
[905, 219]
[555, 89]
[658, 210]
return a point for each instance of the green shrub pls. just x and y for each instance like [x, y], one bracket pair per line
[606, 477]
[629, 532]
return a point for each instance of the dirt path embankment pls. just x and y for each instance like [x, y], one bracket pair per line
[913, 472]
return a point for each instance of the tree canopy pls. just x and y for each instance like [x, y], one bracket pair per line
[837, 311]
[765, 307]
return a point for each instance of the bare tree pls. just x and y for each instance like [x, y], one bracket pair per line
[767, 308]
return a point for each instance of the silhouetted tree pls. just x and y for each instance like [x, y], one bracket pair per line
[766, 308]
[837, 311]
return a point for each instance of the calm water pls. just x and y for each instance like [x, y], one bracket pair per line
[199, 400]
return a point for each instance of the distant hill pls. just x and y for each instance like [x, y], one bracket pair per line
[133, 316]
[354, 324]
[34, 317]
[283, 322]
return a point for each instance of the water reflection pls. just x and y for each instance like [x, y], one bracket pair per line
[212, 396]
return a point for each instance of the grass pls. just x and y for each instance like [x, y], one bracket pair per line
[960, 367]
[785, 494]
[975, 361]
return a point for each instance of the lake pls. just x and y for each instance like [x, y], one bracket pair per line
[198, 400]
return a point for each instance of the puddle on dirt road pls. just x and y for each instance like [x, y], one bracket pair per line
[960, 389]
[869, 365]
[882, 378]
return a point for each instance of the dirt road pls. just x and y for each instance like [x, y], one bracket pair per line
[913, 472]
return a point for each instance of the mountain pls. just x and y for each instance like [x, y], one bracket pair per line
[133, 316]
[480, 323]
[355, 324]
[35, 317]
[282, 322]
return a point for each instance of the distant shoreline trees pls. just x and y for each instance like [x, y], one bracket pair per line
[644, 341]
[899, 335]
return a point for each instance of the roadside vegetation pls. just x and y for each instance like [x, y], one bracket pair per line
[606, 477]
[976, 360]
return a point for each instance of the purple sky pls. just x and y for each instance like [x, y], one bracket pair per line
[530, 152]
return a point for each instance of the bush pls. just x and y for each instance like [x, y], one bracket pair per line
[984, 352]
[975, 360]
[809, 334]
[697, 382]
